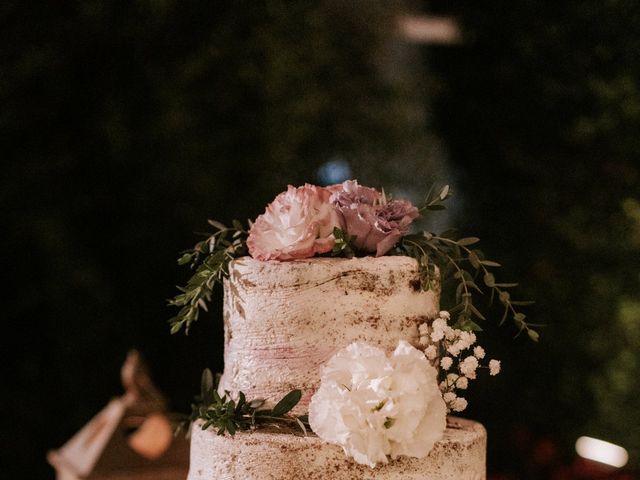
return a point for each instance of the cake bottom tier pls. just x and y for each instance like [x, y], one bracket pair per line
[269, 455]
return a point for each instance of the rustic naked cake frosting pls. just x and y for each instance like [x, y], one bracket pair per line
[283, 321]
[339, 361]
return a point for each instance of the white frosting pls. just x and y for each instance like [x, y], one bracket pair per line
[268, 455]
[284, 320]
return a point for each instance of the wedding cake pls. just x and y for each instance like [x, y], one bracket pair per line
[339, 362]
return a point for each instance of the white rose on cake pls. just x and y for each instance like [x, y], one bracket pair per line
[297, 224]
[377, 407]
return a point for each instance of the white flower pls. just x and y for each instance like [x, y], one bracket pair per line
[431, 352]
[438, 328]
[446, 363]
[374, 406]
[459, 405]
[423, 329]
[444, 314]
[466, 340]
[478, 352]
[494, 367]
[452, 378]
[462, 383]
[450, 333]
[454, 349]
[424, 340]
[468, 366]
[449, 398]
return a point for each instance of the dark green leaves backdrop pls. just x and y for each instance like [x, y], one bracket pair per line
[124, 126]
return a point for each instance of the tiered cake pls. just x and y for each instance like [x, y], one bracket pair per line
[283, 321]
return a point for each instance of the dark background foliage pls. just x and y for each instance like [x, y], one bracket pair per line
[124, 126]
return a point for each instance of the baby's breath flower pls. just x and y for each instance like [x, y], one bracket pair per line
[459, 404]
[452, 378]
[465, 340]
[446, 363]
[454, 349]
[450, 333]
[468, 366]
[438, 327]
[431, 352]
[478, 351]
[437, 335]
[449, 398]
[451, 344]
[494, 367]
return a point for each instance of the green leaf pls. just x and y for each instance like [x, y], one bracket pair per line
[471, 325]
[475, 287]
[444, 193]
[216, 224]
[533, 335]
[504, 316]
[490, 263]
[230, 427]
[285, 405]
[463, 242]
[476, 311]
[475, 261]
[185, 258]
[237, 225]
[257, 403]
[489, 279]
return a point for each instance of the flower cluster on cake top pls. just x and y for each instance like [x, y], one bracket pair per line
[301, 221]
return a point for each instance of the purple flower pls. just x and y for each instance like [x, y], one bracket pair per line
[377, 224]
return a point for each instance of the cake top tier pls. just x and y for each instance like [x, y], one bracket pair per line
[284, 320]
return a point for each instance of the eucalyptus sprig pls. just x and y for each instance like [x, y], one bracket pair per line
[228, 415]
[210, 259]
[433, 200]
[451, 255]
[454, 256]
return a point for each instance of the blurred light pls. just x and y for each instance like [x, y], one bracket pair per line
[336, 170]
[601, 451]
[153, 438]
[429, 29]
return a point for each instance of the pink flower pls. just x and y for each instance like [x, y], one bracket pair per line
[297, 224]
[377, 224]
